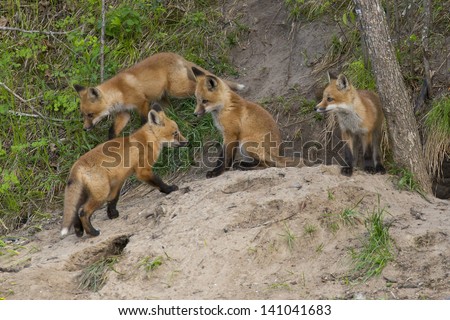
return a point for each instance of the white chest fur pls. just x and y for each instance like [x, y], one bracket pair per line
[349, 120]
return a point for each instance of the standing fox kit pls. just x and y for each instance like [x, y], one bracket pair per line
[98, 175]
[153, 79]
[359, 114]
[244, 125]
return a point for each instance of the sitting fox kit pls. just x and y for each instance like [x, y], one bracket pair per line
[245, 126]
[151, 80]
[359, 114]
[97, 176]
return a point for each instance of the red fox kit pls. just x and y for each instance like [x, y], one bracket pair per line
[97, 176]
[245, 126]
[153, 79]
[358, 113]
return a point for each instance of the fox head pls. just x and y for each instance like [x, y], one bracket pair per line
[165, 129]
[93, 106]
[210, 92]
[338, 94]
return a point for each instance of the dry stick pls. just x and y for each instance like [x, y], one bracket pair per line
[102, 44]
[37, 113]
[34, 31]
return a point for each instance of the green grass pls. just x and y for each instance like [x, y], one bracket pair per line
[405, 180]
[377, 247]
[41, 132]
[289, 237]
[150, 264]
[312, 9]
[437, 127]
[360, 76]
[94, 277]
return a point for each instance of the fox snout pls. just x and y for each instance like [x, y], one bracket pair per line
[183, 143]
[88, 127]
[320, 109]
[199, 111]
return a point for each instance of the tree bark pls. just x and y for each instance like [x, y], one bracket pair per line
[397, 106]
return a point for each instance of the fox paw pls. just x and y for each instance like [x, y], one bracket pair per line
[347, 171]
[380, 169]
[215, 172]
[79, 232]
[370, 169]
[169, 189]
[93, 232]
[112, 213]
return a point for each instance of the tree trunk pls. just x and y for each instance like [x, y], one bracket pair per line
[398, 109]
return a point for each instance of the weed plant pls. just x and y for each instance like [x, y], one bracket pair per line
[377, 247]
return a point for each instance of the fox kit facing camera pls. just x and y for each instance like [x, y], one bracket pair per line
[245, 126]
[97, 176]
[153, 79]
[359, 114]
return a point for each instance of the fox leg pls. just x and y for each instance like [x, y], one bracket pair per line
[225, 159]
[250, 152]
[78, 226]
[368, 153]
[120, 121]
[376, 142]
[148, 176]
[143, 112]
[86, 213]
[347, 169]
[111, 209]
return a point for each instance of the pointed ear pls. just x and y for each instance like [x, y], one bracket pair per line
[211, 83]
[78, 88]
[154, 118]
[156, 106]
[331, 76]
[93, 94]
[342, 82]
[197, 72]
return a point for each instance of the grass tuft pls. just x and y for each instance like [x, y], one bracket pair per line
[437, 126]
[94, 277]
[377, 247]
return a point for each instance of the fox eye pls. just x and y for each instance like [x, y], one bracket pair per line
[175, 134]
[204, 101]
[329, 99]
[90, 115]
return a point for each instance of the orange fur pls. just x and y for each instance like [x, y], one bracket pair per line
[359, 113]
[97, 176]
[153, 79]
[245, 126]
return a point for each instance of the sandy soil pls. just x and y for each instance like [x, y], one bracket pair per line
[263, 234]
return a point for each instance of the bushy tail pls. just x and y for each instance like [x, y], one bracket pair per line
[234, 85]
[74, 196]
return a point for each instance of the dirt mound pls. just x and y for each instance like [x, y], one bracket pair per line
[265, 234]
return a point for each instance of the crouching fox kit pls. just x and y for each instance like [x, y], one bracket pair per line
[153, 79]
[359, 114]
[245, 126]
[97, 176]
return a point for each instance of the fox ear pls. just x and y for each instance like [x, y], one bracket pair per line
[93, 94]
[154, 118]
[342, 82]
[197, 72]
[211, 83]
[156, 106]
[331, 76]
[78, 88]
